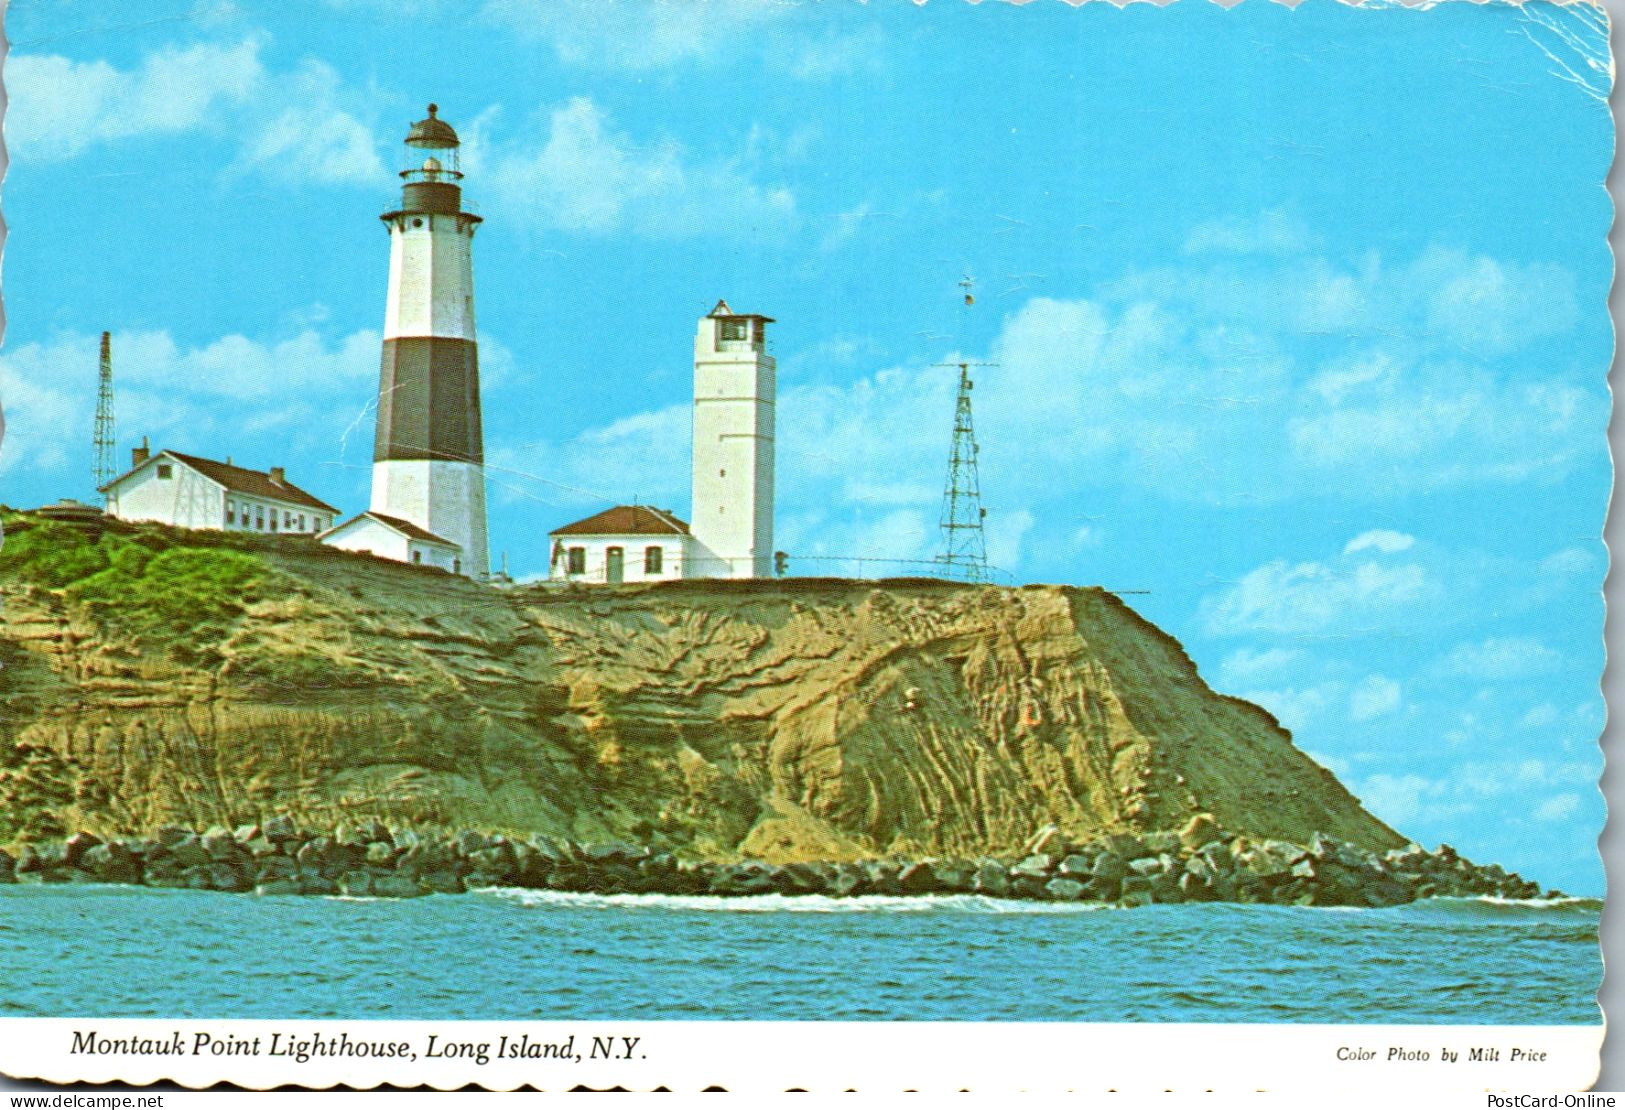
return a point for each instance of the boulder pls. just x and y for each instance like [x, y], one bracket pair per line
[1076, 866]
[8, 868]
[223, 876]
[74, 848]
[244, 833]
[1037, 866]
[218, 843]
[396, 886]
[190, 852]
[1199, 831]
[1064, 890]
[277, 886]
[992, 879]
[260, 847]
[1163, 841]
[313, 853]
[805, 878]
[112, 863]
[1132, 899]
[380, 854]
[1047, 840]
[317, 884]
[355, 884]
[919, 878]
[1108, 867]
[442, 882]
[170, 835]
[1028, 886]
[955, 876]
[846, 881]
[279, 829]
[743, 880]
[276, 867]
[469, 842]
[880, 877]
[1146, 865]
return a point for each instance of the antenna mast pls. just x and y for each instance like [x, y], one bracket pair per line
[964, 546]
[105, 440]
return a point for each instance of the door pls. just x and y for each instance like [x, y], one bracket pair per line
[615, 565]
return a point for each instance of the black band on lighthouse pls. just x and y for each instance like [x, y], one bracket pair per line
[429, 401]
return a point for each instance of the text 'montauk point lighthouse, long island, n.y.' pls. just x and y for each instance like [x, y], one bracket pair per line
[428, 471]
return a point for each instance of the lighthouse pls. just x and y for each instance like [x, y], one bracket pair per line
[428, 466]
[732, 488]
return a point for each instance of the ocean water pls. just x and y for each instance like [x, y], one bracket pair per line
[518, 954]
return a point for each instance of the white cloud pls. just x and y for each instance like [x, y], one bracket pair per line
[1246, 665]
[1271, 232]
[1289, 598]
[845, 226]
[1375, 696]
[1400, 799]
[1500, 658]
[1298, 708]
[263, 401]
[315, 138]
[1559, 807]
[1543, 715]
[641, 36]
[58, 107]
[1389, 543]
[589, 176]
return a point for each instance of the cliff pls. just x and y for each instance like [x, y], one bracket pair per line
[153, 677]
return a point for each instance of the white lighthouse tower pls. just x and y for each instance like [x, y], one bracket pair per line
[734, 385]
[429, 456]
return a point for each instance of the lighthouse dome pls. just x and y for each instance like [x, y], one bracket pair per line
[433, 132]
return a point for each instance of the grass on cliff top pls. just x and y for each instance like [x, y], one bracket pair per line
[138, 582]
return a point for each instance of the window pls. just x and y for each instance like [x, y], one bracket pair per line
[259, 517]
[231, 511]
[273, 520]
[652, 557]
[287, 519]
[456, 566]
[165, 472]
[417, 556]
[301, 522]
[733, 330]
[578, 561]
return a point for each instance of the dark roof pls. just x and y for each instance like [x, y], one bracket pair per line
[626, 520]
[255, 483]
[404, 527]
[431, 132]
[722, 310]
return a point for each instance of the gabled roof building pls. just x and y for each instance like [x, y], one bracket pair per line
[629, 543]
[188, 491]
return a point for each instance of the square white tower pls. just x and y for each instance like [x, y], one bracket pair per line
[734, 384]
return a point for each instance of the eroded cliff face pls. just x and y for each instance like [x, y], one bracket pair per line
[801, 718]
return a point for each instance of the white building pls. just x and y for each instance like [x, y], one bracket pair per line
[392, 538]
[191, 492]
[629, 543]
[731, 509]
[429, 454]
[731, 482]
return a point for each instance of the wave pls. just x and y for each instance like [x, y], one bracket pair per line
[1491, 906]
[1483, 907]
[793, 903]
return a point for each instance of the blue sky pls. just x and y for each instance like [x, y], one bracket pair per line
[1299, 315]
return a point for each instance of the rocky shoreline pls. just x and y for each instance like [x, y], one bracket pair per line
[1197, 863]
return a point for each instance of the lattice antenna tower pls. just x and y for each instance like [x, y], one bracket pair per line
[964, 544]
[105, 439]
